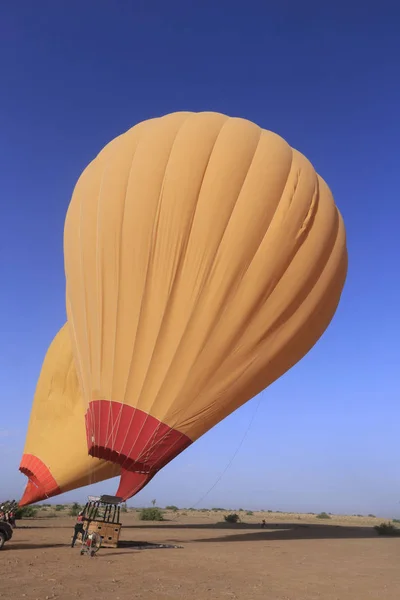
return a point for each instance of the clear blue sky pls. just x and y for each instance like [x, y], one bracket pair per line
[76, 74]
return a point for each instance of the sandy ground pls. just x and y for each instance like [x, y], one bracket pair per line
[297, 557]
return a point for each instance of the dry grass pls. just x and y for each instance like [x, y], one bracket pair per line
[206, 516]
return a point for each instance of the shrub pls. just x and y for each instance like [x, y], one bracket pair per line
[372, 516]
[75, 509]
[323, 515]
[124, 508]
[151, 514]
[172, 507]
[59, 507]
[218, 509]
[26, 512]
[387, 529]
[396, 520]
[232, 518]
[249, 513]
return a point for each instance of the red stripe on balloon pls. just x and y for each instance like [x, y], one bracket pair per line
[41, 483]
[131, 483]
[130, 437]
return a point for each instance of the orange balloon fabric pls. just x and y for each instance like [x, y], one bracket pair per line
[55, 458]
[204, 257]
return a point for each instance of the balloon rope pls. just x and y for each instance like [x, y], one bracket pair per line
[233, 457]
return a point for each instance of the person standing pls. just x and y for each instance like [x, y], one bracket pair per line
[78, 528]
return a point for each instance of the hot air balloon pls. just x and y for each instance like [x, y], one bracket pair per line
[204, 257]
[55, 458]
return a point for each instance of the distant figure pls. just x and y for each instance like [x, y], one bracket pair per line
[263, 524]
[78, 528]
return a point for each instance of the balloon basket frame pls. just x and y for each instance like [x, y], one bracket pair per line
[101, 515]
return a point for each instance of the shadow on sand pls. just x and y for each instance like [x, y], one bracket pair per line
[273, 531]
[138, 545]
[11, 545]
[123, 545]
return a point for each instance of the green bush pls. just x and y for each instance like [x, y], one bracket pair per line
[124, 508]
[323, 515]
[75, 509]
[249, 513]
[151, 514]
[26, 512]
[59, 507]
[387, 529]
[372, 516]
[172, 507]
[396, 520]
[232, 518]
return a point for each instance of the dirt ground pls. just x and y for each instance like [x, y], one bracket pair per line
[297, 557]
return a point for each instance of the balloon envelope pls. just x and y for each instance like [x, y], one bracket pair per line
[55, 457]
[204, 257]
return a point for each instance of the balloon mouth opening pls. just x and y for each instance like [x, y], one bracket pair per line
[30, 475]
[31, 494]
[41, 484]
[131, 438]
[128, 464]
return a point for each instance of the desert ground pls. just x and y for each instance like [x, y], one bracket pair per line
[296, 557]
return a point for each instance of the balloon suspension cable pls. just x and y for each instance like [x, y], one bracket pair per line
[233, 456]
